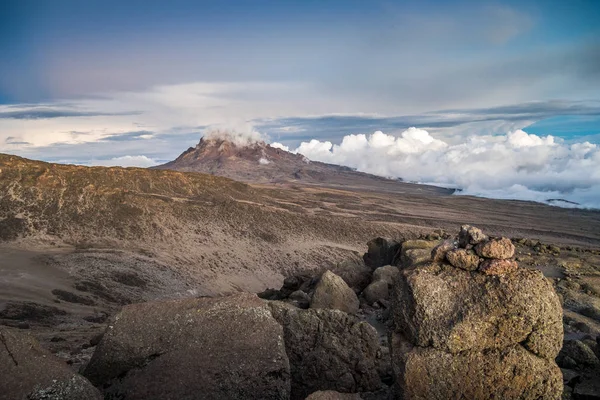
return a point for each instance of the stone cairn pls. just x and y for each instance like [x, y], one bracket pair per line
[471, 324]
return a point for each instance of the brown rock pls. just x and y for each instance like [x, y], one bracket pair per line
[469, 235]
[328, 350]
[224, 348]
[454, 310]
[464, 259]
[438, 254]
[28, 371]
[496, 248]
[498, 267]
[332, 292]
[509, 373]
[333, 395]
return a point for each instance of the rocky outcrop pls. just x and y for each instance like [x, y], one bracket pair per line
[328, 350]
[468, 329]
[29, 372]
[229, 347]
[332, 292]
[503, 373]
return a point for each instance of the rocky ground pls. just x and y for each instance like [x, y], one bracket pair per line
[437, 317]
[77, 244]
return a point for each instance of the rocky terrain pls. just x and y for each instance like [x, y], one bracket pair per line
[440, 317]
[78, 245]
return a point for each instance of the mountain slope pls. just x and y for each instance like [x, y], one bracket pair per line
[258, 162]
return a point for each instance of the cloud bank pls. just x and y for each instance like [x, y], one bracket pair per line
[516, 165]
[126, 161]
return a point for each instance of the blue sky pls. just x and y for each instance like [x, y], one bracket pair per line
[77, 77]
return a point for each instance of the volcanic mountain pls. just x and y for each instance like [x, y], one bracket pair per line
[261, 163]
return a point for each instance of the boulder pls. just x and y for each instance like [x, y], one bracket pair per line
[438, 254]
[496, 248]
[464, 259]
[579, 352]
[381, 252]
[227, 347]
[455, 310]
[355, 273]
[328, 350]
[498, 266]
[28, 371]
[510, 373]
[470, 236]
[588, 389]
[379, 289]
[333, 395]
[332, 292]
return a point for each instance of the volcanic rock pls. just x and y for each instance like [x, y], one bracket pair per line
[438, 254]
[496, 248]
[508, 373]
[379, 289]
[29, 372]
[469, 236]
[328, 350]
[332, 292]
[498, 266]
[224, 348]
[464, 259]
[454, 310]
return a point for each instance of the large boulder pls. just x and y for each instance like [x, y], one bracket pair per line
[27, 371]
[381, 252]
[513, 372]
[328, 350]
[333, 292]
[455, 310]
[216, 348]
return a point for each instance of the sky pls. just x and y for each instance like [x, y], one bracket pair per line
[135, 83]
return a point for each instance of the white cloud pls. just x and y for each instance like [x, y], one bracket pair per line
[126, 161]
[240, 135]
[512, 166]
[278, 145]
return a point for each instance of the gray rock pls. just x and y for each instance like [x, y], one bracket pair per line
[299, 299]
[379, 289]
[376, 291]
[587, 390]
[469, 236]
[355, 273]
[332, 292]
[438, 254]
[510, 373]
[28, 371]
[455, 310]
[328, 350]
[224, 348]
[579, 352]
